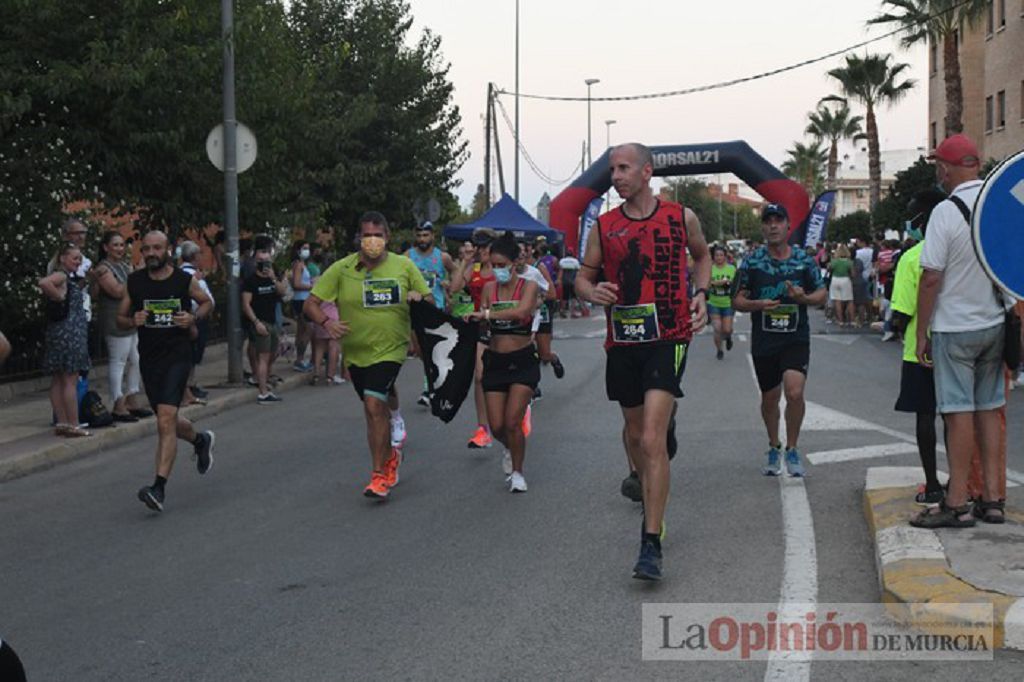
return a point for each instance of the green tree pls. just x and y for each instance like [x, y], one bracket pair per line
[873, 82]
[933, 21]
[723, 220]
[833, 127]
[891, 212]
[849, 226]
[806, 165]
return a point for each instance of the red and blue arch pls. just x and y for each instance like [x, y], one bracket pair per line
[735, 157]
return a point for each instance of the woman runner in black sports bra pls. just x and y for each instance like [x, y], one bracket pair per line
[511, 365]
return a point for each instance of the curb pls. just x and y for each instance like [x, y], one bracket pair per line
[912, 564]
[59, 451]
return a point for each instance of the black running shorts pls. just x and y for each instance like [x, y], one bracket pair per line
[376, 380]
[501, 370]
[633, 370]
[917, 389]
[165, 379]
[770, 368]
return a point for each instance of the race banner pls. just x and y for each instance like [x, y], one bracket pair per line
[587, 222]
[448, 350]
[817, 221]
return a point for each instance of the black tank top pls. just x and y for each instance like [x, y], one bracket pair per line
[160, 338]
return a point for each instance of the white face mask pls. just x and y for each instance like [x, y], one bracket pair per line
[304, 254]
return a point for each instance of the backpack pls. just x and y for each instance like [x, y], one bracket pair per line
[92, 411]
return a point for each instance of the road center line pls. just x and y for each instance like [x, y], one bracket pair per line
[799, 590]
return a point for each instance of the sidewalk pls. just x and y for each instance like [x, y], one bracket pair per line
[27, 443]
[958, 565]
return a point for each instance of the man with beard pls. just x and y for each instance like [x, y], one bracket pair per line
[159, 304]
[436, 267]
[641, 248]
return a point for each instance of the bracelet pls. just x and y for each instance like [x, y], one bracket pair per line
[701, 291]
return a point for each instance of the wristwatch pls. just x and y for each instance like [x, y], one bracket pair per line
[701, 291]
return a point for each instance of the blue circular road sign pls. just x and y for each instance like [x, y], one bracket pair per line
[998, 225]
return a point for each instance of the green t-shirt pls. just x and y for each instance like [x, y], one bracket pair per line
[841, 267]
[904, 297]
[720, 296]
[373, 303]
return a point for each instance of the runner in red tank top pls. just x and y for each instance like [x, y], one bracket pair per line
[641, 248]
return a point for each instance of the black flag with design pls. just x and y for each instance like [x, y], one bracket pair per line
[448, 349]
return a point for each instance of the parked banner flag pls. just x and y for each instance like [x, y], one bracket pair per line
[448, 350]
[817, 221]
[588, 221]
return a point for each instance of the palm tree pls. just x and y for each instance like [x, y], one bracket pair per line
[933, 21]
[833, 126]
[873, 82]
[806, 165]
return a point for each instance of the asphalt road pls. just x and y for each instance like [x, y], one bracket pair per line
[275, 567]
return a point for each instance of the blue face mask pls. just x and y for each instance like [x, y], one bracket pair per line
[503, 275]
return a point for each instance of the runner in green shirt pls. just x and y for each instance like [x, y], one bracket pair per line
[372, 290]
[720, 300]
[917, 382]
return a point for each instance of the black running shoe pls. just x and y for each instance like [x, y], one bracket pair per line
[204, 451]
[559, 368]
[648, 566]
[537, 395]
[631, 487]
[153, 497]
[199, 392]
[720, 354]
[424, 399]
[728, 342]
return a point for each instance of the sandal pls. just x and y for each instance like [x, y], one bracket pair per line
[944, 517]
[61, 429]
[990, 512]
[76, 432]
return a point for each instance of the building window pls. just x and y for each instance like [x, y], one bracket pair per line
[1002, 13]
[989, 113]
[933, 57]
[1001, 109]
[935, 136]
[990, 19]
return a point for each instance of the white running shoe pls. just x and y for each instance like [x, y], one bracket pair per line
[398, 434]
[506, 462]
[516, 483]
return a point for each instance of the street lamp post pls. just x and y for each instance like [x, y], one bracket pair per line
[607, 145]
[590, 154]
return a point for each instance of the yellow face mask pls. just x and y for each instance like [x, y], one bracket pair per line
[373, 247]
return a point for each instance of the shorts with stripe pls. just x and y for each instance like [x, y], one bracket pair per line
[633, 370]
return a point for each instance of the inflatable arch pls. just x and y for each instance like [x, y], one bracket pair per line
[693, 159]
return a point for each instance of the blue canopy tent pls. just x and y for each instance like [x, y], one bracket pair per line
[506, 215]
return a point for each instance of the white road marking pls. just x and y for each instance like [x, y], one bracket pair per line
[799, 591]
[845, 339]
[897, 477]
[864, 452]
[742, 338]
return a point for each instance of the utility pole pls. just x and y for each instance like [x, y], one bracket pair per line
[590, 148]
[231, 195]
[487, 144]
[516, 150]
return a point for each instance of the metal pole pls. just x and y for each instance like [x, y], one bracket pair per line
[497, 149]
[608, 145]
[231, 195]
[487, 145]
[516, 150]
[590, 147]
[721, 236]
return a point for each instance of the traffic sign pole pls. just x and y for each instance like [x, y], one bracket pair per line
[231, 197]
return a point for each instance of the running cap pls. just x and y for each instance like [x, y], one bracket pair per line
[425, 226]
[774, 209]
[956, 150]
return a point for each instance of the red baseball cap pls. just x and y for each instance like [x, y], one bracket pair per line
[957, 150]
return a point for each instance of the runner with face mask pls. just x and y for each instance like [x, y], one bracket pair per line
[372, 289]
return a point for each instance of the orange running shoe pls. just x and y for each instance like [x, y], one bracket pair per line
[378, 487]
[481, 439]
[528, 422]
[391, 467]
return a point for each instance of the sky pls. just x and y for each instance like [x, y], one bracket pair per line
[646, 46]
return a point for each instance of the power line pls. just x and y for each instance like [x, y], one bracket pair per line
[736, 81]
[529, 161]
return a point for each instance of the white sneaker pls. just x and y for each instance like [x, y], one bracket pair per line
[888, 336]
[506, 462]
[1020, 379]
[398, 434]
[516, 483]
[338, 379]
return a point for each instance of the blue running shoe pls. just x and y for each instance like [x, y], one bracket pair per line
[774, 466]
[793, 464]
[648, 566]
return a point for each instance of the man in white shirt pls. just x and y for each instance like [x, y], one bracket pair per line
[75, 231]
[866, 255]
[966, 348]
